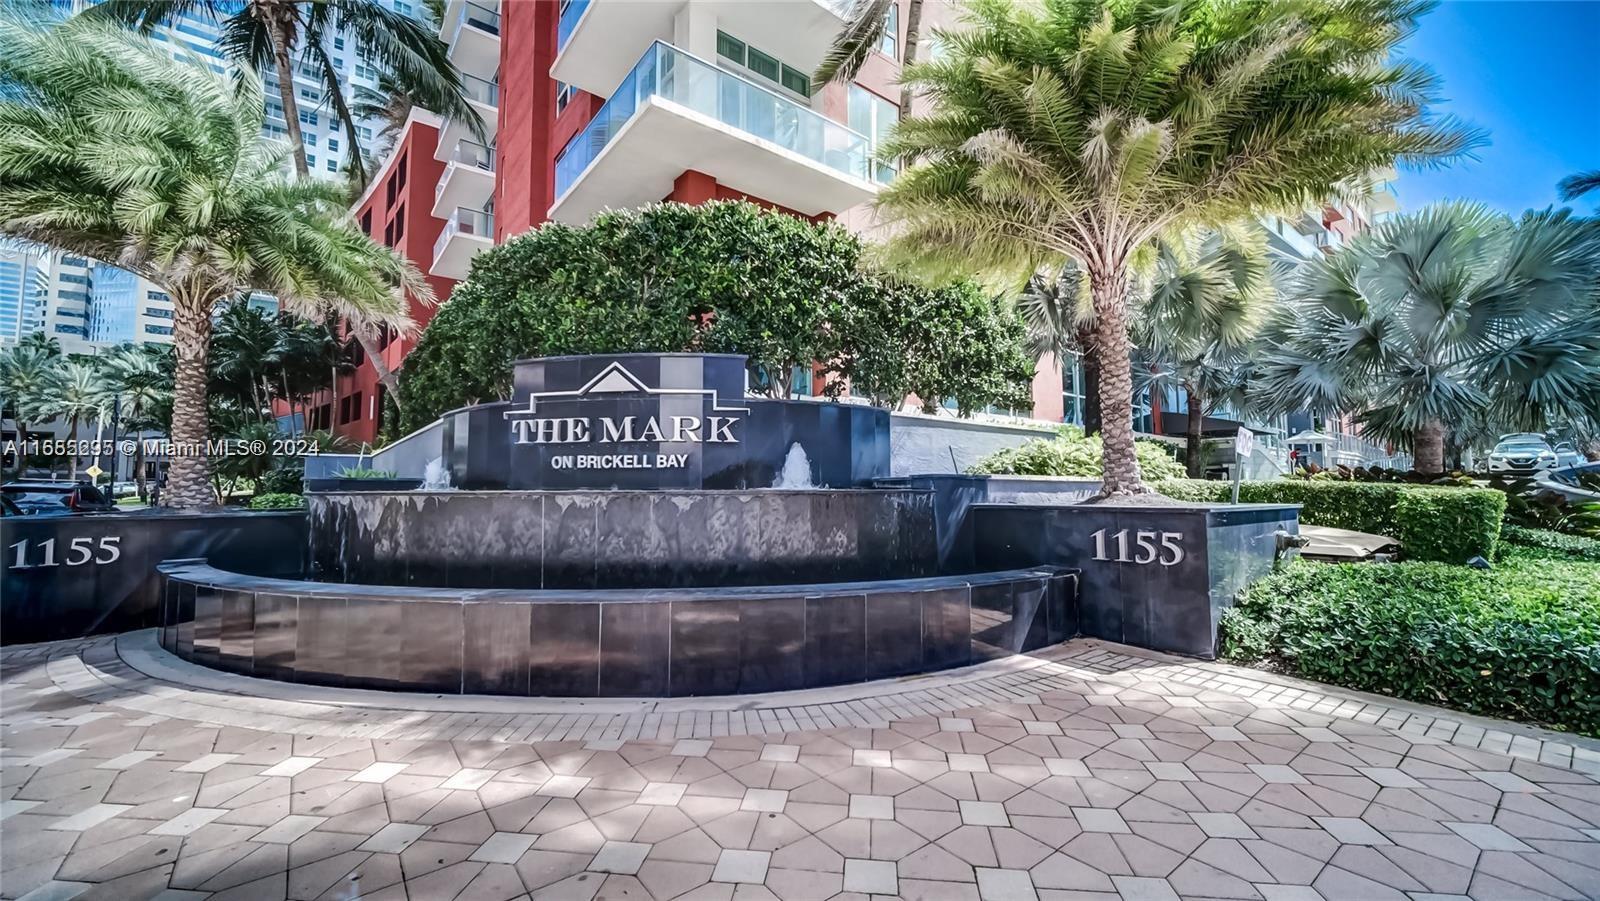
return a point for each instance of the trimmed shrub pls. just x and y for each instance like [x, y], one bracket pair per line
[1520, 641]
[1548, 544]
[288, 479]
[1070, 455]
[277, 502]
[1451, 525]
[1448, 524]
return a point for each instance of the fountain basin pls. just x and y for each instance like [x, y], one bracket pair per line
[608, 643]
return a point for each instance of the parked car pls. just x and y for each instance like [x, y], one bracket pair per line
[8, 507]
[43, 497]
[1522, 453]
[1568, 455]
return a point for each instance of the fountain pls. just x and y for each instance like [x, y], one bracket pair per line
[628, 525]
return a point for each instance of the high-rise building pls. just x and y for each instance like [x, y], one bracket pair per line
[24, 281]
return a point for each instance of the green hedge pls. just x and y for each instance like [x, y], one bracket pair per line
[1431, 523]
[277, 502]
[1519, 641]
[1068, 454]
[1553, 544]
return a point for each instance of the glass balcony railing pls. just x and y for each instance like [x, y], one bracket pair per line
[486, 92]
[468, 153]
[464, 221]
[571, 12]
[480, 17]
[671, 74]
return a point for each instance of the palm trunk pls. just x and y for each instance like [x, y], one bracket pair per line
[188, 472]
[1121, 476]
[288, 401]
[385, 375]
[1091, 383]
[1428, 446]
[282, 37]
[1194, 463]
[22, 444]
[913, 30]
[138, 468]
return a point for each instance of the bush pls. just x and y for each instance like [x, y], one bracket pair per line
[1551, 545]
[1448, 524]
[282, 480]
[1451, 525]
[722, 277]
[1521, 641]
[1070, 455]
[277, 502]
[356, 472]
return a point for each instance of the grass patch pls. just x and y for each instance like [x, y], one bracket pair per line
[1520, 641]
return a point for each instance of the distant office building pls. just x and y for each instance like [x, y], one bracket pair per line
[24, 283]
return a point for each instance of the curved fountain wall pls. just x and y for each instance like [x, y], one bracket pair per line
[600, 643]
[621, 539]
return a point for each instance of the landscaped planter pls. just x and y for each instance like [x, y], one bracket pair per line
[344, 484]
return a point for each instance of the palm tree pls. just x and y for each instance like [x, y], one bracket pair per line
[1060, 321]
[141, 379]
[30, 374]
[258, 34]
[1452, 314]
[864, 29]
[1574, 186]
[1198, 319]
[109, 149]
[244, 349]
[77, 396]
[1083, 130]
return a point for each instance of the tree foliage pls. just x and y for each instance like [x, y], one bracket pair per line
[112, 150]
[1083, 130]
[1448, 315]
[722, 277]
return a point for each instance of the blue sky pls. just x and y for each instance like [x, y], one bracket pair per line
[1527, 70]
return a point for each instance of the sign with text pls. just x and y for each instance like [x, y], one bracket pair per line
[624, 421]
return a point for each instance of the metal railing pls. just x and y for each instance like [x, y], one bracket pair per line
[464, 221]
[468, 153]
[485, 92]
[571, 12]
[671, 74]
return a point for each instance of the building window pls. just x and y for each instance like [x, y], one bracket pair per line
[564, 94]
[333, 143]
[338, 43]
[1072, 396]
[74, 261]
[158, 329]
[333, 165]
[311, 159]
[401, 173]
[763, 65]
[78, 330]
[311, 140]
[366, 223]
[158, 313]
[399, 223]
[74, 279]
[890, 45]
[874, 117]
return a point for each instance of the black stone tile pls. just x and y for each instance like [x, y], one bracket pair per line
[946, 628]
[705, 648]
[207, 625]
[772, 643]
[185, 616]
[836, 651]
[237, 648]
[373, 646]
[993, 620]
[634, 648]
[564, 650]
[320, 640]
[496, 654]
[1031, 602]
[432, 643]
[894, 633]
[570, 527]
[275, 627]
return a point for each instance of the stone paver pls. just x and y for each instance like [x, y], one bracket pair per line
[1084, 772]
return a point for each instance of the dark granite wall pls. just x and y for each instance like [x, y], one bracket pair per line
[1132, 593]
[94, 574]
[621, 539]
[663, 643]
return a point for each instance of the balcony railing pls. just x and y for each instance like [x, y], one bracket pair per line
[571, 12]
[464, 221]
[468, 153]
[486, 92]
[671, 74]
[480, 17]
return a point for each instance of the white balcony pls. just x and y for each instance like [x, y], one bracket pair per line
[466, 234]
[484, 96]
[675, 112]
[471, 30]
[598, 41]
[468, 179]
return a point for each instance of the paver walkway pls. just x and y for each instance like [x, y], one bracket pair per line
[1085, 772]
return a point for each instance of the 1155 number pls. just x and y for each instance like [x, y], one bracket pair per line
[78, 552]
[1147, 547]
